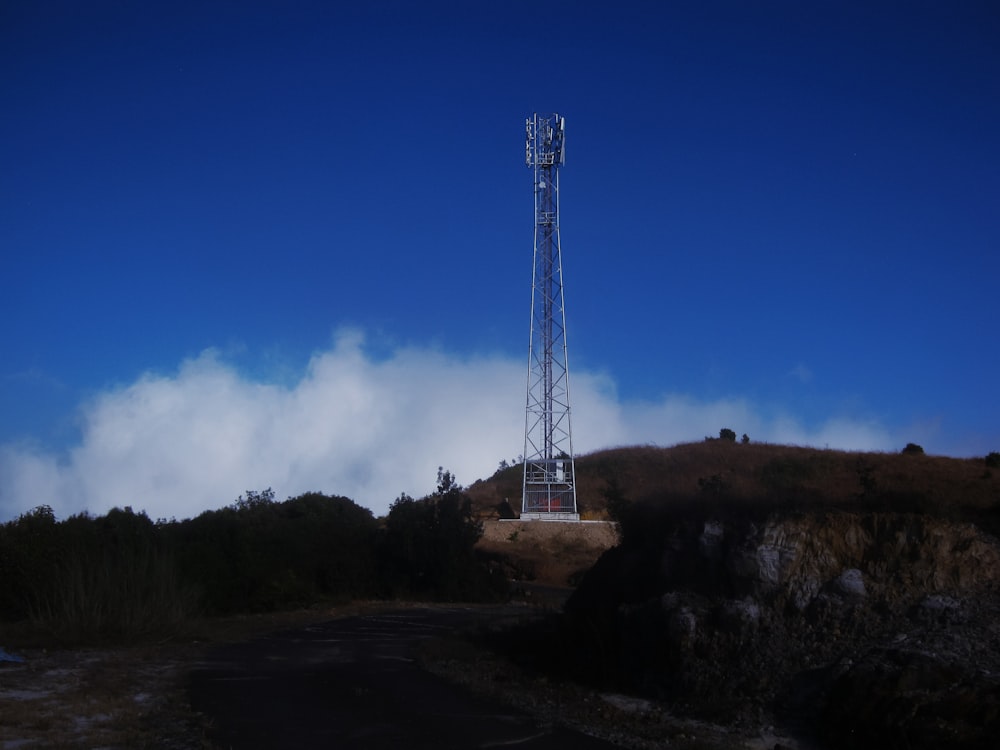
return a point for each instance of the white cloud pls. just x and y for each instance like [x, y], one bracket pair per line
[175, 445]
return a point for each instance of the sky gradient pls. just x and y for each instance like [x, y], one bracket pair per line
[288, 245]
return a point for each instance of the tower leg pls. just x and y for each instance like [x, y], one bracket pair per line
[549, 490]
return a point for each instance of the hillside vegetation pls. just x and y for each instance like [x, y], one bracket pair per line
[762, 476]
[853, 598]
[122, 576]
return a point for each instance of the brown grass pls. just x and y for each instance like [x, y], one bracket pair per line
[760, 472]
[755, 478]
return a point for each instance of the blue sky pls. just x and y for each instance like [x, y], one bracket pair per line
[251, 244]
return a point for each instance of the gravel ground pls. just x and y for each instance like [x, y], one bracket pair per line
[124, 697]
[97, 698]
[136, 697]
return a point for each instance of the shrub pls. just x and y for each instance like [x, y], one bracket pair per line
[728, 435]
[261, 555]
[90, 578]
[993, 460]
[912, 449]
[428, 547]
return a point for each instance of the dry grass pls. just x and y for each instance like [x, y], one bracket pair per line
[756, 477]
[760, 472]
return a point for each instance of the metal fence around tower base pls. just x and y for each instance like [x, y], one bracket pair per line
[548, 501]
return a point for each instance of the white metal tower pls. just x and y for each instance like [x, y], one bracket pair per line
[549, 470]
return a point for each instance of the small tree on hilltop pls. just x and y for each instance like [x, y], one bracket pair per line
[446, 483]
[254, 500]
[429, 546]
[727, 435]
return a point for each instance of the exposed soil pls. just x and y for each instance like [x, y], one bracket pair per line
[554, 553]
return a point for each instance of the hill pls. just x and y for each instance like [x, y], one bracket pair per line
[761, 473]
[853, 598]
[753, 478]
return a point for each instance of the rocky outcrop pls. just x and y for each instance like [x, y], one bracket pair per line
[867, 629]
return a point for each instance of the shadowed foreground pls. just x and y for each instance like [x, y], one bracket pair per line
[354, 683]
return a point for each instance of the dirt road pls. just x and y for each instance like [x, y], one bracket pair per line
[355, 683]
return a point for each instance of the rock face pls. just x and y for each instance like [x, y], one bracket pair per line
[866, 629]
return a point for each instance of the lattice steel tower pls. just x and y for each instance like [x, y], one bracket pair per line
[549, 470]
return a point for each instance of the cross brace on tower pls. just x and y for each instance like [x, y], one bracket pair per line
[549, 491]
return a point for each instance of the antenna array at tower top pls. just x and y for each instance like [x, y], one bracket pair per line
[544, 140]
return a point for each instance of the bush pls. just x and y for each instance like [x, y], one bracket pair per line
[912, 449]
[993, 460]
[259, 555]
[428, 547]
[727, 435]
[87, 578]
[29, 555]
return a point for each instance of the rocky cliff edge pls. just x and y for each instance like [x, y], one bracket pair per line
[856, 629]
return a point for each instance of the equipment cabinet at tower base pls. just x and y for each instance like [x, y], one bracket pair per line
[550, 517]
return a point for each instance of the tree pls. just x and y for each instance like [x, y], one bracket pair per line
[727, 435]
[254, 499]
[429, 546]
[90, 577]
[446, 483]
[261, 555]
[30, 555]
